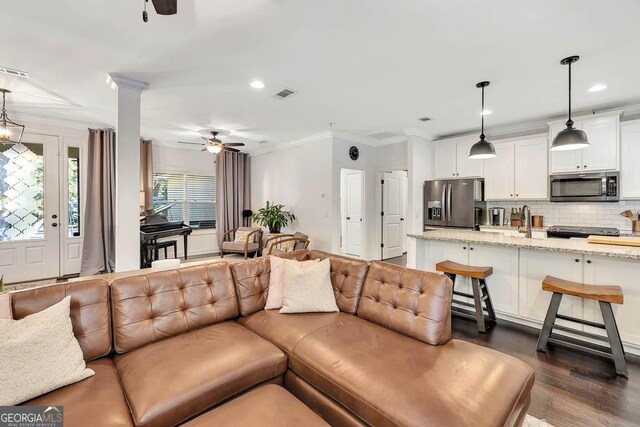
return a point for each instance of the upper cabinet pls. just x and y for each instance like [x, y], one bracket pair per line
[604, 152]
[519, 172]
[629, 170]
[451, 160]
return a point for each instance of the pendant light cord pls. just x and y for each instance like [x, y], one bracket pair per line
[570, 122]
[482, 114]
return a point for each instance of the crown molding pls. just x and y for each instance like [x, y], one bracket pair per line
[39, 120]
[368, 140]
[419, 132]
[120, 80]
[290, 144]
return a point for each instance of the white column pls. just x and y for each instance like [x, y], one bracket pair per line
[127, 219]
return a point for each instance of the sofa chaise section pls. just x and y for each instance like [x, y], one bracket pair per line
[394, 363]
[179, 352]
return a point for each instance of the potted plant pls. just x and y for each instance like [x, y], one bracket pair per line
[2, 284]
[273, 217]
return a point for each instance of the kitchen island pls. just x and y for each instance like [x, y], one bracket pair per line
[520, 264]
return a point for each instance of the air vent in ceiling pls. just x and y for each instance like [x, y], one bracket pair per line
[383, 135]
[424, 119]
[285, 93]
[13, 72]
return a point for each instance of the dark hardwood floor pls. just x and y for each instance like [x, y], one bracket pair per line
[571, 389]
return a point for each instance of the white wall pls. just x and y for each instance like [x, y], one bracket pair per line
[196, 162]
[420, 160]
[299, 177]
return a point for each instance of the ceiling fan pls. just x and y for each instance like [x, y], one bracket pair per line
[163, 7]
[214, 145]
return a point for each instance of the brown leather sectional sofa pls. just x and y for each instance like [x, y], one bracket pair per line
[169, 346]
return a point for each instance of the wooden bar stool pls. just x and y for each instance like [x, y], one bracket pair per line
[605, 295]
[480, 291]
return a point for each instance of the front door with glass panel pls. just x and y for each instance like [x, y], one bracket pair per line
[29, 210]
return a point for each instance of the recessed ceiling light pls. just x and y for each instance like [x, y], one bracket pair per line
[257, 84]
[597, 88]
[486, 112]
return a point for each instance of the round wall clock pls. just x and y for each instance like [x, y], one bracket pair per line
[354, 153]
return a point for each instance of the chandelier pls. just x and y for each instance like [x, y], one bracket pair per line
[10, 131]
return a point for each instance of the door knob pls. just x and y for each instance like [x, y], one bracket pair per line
[55, 224]
[577, 260]
[577, 167]
[54, 216]
[585, 166]
[348, 217]
[401, 219]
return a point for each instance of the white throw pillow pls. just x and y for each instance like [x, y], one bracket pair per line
[39, 354]
[276, 279]
[308, 290]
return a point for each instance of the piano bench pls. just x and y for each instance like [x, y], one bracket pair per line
[152, 250]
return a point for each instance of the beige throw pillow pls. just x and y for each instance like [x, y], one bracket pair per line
[241, 236]
[308, 290]
[276, 279]
[39, 354]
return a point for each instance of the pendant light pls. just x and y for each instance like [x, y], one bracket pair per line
[570, 138]
[482, 149]
[10, 131]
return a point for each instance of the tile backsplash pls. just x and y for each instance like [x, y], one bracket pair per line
[599, 214]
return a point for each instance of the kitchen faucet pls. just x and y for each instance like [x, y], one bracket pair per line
[526, 215]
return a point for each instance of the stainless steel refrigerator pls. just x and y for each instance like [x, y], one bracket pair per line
[454, 203]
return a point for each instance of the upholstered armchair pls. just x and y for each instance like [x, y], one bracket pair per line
[286, 243]
[250, 243]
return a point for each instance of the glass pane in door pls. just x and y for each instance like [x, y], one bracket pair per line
[73, 171]
[21, 191]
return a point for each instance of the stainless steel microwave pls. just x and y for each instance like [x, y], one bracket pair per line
[585, 187]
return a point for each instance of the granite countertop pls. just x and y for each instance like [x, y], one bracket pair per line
[509, 228]
[574, 245]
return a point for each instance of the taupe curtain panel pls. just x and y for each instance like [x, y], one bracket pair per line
[233, 192]
[98, 254]
[146, 175]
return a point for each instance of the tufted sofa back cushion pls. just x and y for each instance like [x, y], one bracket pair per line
[90, 314]
[151, 307]
[252, 284]
[347, 278]
[411, 302]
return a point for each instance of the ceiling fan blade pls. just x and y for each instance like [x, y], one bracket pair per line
[205, 138]
[234, 144]
[231, 149]
[165, 7]
[204, 149]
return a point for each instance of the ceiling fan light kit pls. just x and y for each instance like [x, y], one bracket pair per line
[10, 131]
[482, 149]
[570, 138]
[214, 145]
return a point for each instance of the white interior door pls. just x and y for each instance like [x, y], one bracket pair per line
[352, 211]
[29, 209]
[392, 218]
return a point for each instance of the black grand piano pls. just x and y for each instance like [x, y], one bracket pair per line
[156, 226]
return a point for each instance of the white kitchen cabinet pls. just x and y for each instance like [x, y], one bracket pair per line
[499, 183]
[531, 170]
[629, 170]
[451, 160]
[519, 172]
[503, 283]
[603, 133]
[466, 167]
[617, 271]
[444, 155]
[534, 266]
[563, 161]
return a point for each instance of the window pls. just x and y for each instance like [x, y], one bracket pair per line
[188, 198]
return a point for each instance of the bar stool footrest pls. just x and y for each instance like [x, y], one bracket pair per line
[581, 333]
[582, 346]
[581, 321]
